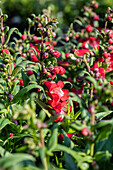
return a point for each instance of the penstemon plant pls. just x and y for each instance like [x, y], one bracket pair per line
[56, 94]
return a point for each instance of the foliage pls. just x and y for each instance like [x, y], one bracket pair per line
[56, 93]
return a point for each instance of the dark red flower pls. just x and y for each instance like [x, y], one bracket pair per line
[29, 72]
[61, 136]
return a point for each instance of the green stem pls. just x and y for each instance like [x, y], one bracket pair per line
[42, 145]
[87, 65]
[92, 145]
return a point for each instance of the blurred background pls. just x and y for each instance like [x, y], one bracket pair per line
[65, 10]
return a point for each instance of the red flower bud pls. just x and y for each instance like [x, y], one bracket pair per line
[95, 5]
[85, 131]
[36, 39]
[23, 37]
[89, 28]
[29, 72]
[56, 54]
[11, 135]
[6, 51]
[66, 38]
[109, 18]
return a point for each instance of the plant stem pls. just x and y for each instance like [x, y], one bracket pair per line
[92, 145]
[42, 145]
[87, 65]
[41, 136]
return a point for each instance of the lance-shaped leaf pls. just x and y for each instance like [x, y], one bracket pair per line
[4, 122]
[52, 143]
[9, 34]
[25, 90]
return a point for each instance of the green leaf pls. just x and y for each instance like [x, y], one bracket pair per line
[78, 22]
[99, 155]
[80, 157]
[74, 97]
[3, 152]
[6, 29]
[9, 34]
[77, 125]
[103, 123]
[16, 70]
[69, 162]
[101, 115]
[4, 122]
[42, 151]
[15, 158]
[25, 78]
[92, 80]
[77, 114]
[105, 145]
[25, 90]
[53, 138]
[104, 133]
[35, 53]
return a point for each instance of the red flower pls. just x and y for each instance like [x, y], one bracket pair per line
[101, 70]
[29, 72]
[20, 82]
[48, 44]
[95, 5]
[6, 51]
[36, 39]
[66, 38]
[61, 136]
[67, 55]
[58, 70]
[34, 58]
[96, 17]
[111, 82]
[62, 109]
[23, 37]
[85, 131]
[54, 43]
[81, 52]
[11, 135]
[89, 28]
[56, 93]
[56, 54]
[109, 18]
[85, 45]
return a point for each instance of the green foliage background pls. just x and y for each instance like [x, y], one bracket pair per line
[64, 10]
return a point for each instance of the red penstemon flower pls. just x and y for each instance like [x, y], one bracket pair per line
[59, 98]
[100, 70]
[81, 52]
[56, 54]
[58, 70]
[56, 93]
[20, 82]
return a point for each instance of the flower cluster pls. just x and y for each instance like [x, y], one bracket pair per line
[58, 97]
